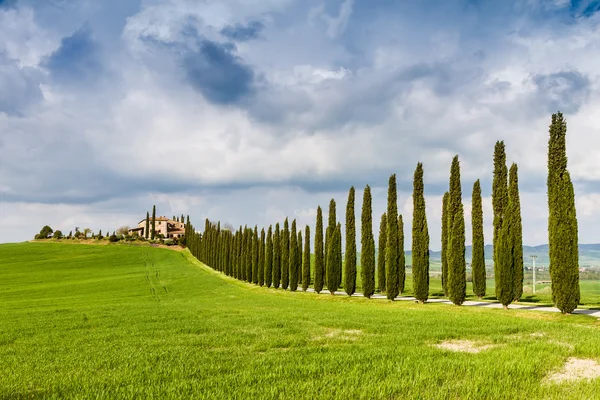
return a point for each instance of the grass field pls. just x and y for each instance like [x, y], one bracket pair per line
[136, 322]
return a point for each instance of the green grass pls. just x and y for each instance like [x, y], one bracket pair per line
[136, 322]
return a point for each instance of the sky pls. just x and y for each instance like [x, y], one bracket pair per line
[248, 111]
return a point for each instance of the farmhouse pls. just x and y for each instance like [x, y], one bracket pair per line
[164, 226]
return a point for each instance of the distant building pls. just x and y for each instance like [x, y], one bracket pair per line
[164, 226]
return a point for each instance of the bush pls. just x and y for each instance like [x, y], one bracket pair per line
[113, 238]
[58, 235]
[45, 233]
[170, 242]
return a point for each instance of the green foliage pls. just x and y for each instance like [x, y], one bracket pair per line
[113, 238]
[255, 249]
[269, 258]
[478, 259]
[147, 228]
[444, 254]
[319, 253]
[367, 255]
[391, 251]
[420, 239]
[401, 256]
[285, 255]
[457, 280]
[334, 259]
[299, 262]
[57, 234]
[261, 258]
[153, 227]
[350, 253]
[45, 232]
[276, 257]
[516, 231]
[562, 221]
[293, 258]
[499, 199]
[332, 222]
[306, 260]
[381, 254]
[506, 267]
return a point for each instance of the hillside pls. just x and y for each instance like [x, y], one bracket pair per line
[84, 321]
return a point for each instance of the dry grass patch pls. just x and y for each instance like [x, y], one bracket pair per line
[463, 346]
[575, 369]
[339, 334]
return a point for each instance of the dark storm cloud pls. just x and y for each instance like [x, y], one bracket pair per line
[243, 33]
[19, 86]
[566, 91]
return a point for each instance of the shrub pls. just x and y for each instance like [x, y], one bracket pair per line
[170, 242]
[113, 238]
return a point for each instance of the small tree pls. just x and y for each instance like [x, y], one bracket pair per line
[45, 232]
[58, 234]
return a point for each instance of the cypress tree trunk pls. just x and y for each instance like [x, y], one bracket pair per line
[350, 254]
[255, 248]
[367, 255]
[499, 201]
[153, 234]
[319, 254]
[562, 222]
[391, 251]
[401, 256]
[269, 258]
[276, 257]
[420, 240]
[299, 262]
[306, 260]
[293, 258]
[381, 253]
[478, 259]
[517, 231]
[334, 260]
[261, 258]
[457, 280]
[332, 222]
[147, 228]
[445, 243]
[285, 255]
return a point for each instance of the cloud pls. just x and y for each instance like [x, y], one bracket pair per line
[565, 90]
[243, 33]
[77, 59]
[19, 87]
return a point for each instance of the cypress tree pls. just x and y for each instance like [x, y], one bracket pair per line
[445, 243]
[285, 255]
[293, 258]
[261, 258]
[391, 251]
[147, 229]
[299, 262]
[517, 230]
[269, 258]
[367, 242]
[420, 240]
[319, 254]
[153, 222]
[332, 222]
[334, 260]
[255, 245]
[381, 253]
[240, 254]
[457, 280]
[499, 200]
[350, 254]
[506, 267]
[306, 260]
[276, 257]
[248, 254]
[401, 257]
[478, 258]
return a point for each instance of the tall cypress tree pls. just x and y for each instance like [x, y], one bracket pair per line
[457, 280]
[517, 230]
[276, 257]
[293, 258]
[269, 258]
[319, 253]
[332, 222]
[562, 221]
[299, 262]
[445, 243]
[147, 229]
[306, 260]
[350, 254]
[478, 258]
[505, 278]
[420, 239]
[334, 260]
[285, 255]
[391, 251]
[261, 258]
[153, 234]
[249, 247]
[499, 200]
[367, 242]
[381, 254]
[401, 256]
[255, 248]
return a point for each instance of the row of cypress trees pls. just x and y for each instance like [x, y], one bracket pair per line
[279, 257]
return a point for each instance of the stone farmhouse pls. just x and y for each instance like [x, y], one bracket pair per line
[164, 226]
